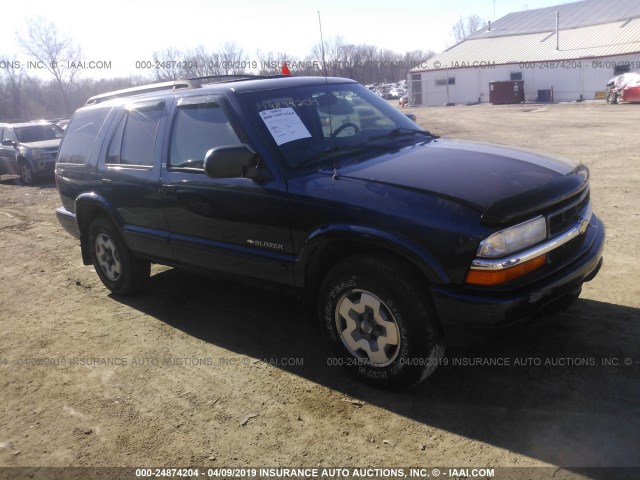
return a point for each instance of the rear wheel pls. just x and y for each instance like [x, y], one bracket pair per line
[379, 322]
[118, 268]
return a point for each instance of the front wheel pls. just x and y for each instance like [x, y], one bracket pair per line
[26, 173]
[120, 271]
[612, 98]
[379, 322]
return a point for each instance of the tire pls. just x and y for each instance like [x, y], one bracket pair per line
[120, 271]
[26, 172]
[612, 98]
[379, 322]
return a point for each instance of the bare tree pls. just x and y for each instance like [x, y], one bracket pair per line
[168, 65]
[53, 51]
[200, 63]
[333, 52]
[465, 26]
[11, 86]
[271, 63]
[233, 61]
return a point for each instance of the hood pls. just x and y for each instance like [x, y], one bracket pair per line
[479, 175]
[42, 144]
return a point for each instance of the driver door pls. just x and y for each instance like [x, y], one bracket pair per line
[233, 225]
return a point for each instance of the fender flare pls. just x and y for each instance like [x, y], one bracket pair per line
[404, 247]
[85, 209]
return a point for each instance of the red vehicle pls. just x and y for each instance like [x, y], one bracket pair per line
[624, 88]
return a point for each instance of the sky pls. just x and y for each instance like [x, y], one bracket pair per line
[122, 32]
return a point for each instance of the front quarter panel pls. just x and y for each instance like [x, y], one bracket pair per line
[437, 235]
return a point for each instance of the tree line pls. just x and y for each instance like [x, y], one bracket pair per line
[24, 97]
[364, 63]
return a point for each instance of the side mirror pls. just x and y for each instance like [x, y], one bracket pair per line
[234, 161]
[411, 116]
[8, 143]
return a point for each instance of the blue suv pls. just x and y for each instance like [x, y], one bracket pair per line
[401, 240]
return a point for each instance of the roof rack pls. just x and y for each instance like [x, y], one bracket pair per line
[185, 84]
[235, 77]
[153, 87]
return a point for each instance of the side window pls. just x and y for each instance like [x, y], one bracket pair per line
[197, 129]
[81, 135]
[8, 134]
[620, 69]
[134, 140]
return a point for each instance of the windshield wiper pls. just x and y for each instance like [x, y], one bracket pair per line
[402, 131]
[341, 150]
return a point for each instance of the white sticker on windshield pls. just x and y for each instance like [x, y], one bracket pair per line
[284, 124]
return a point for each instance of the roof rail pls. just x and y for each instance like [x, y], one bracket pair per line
[152, 87]
[237, 77]
[186, 84]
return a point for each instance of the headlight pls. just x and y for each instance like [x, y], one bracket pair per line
[514, 239]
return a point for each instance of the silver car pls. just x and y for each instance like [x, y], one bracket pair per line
[29, 149]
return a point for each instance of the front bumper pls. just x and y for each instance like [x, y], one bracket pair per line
[43, 167]
[465, 310]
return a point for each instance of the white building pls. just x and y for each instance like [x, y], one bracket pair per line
[571, 49]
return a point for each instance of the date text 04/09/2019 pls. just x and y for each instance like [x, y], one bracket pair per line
[278, 472]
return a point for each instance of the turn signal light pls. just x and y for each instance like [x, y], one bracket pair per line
[496, 277]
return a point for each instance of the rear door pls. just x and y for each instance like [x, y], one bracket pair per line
[129, 177]
[232, 224]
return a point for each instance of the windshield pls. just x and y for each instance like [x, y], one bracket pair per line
[38, 133]
[320, 125]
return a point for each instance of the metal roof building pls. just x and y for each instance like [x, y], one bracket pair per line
[569, 50]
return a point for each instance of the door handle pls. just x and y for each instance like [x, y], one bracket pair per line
[106, 183]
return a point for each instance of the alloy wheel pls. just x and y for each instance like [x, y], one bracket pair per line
[108, 257]
[367, 327]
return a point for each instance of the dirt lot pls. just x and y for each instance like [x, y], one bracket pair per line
[173, 377]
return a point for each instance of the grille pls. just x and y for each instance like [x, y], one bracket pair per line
[567, 216]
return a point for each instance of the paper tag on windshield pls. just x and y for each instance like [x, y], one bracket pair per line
[285, 125]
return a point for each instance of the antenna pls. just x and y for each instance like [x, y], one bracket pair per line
[324, 63]
[324, 68]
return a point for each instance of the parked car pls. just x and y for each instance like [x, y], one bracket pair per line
[62, 123]
[624, 88]
[395, 93]
[29, 149]
[400, 240]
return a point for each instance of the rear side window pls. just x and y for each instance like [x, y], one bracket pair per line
[133, 142]
[81, 135]
[7, 134]
[197, 129]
